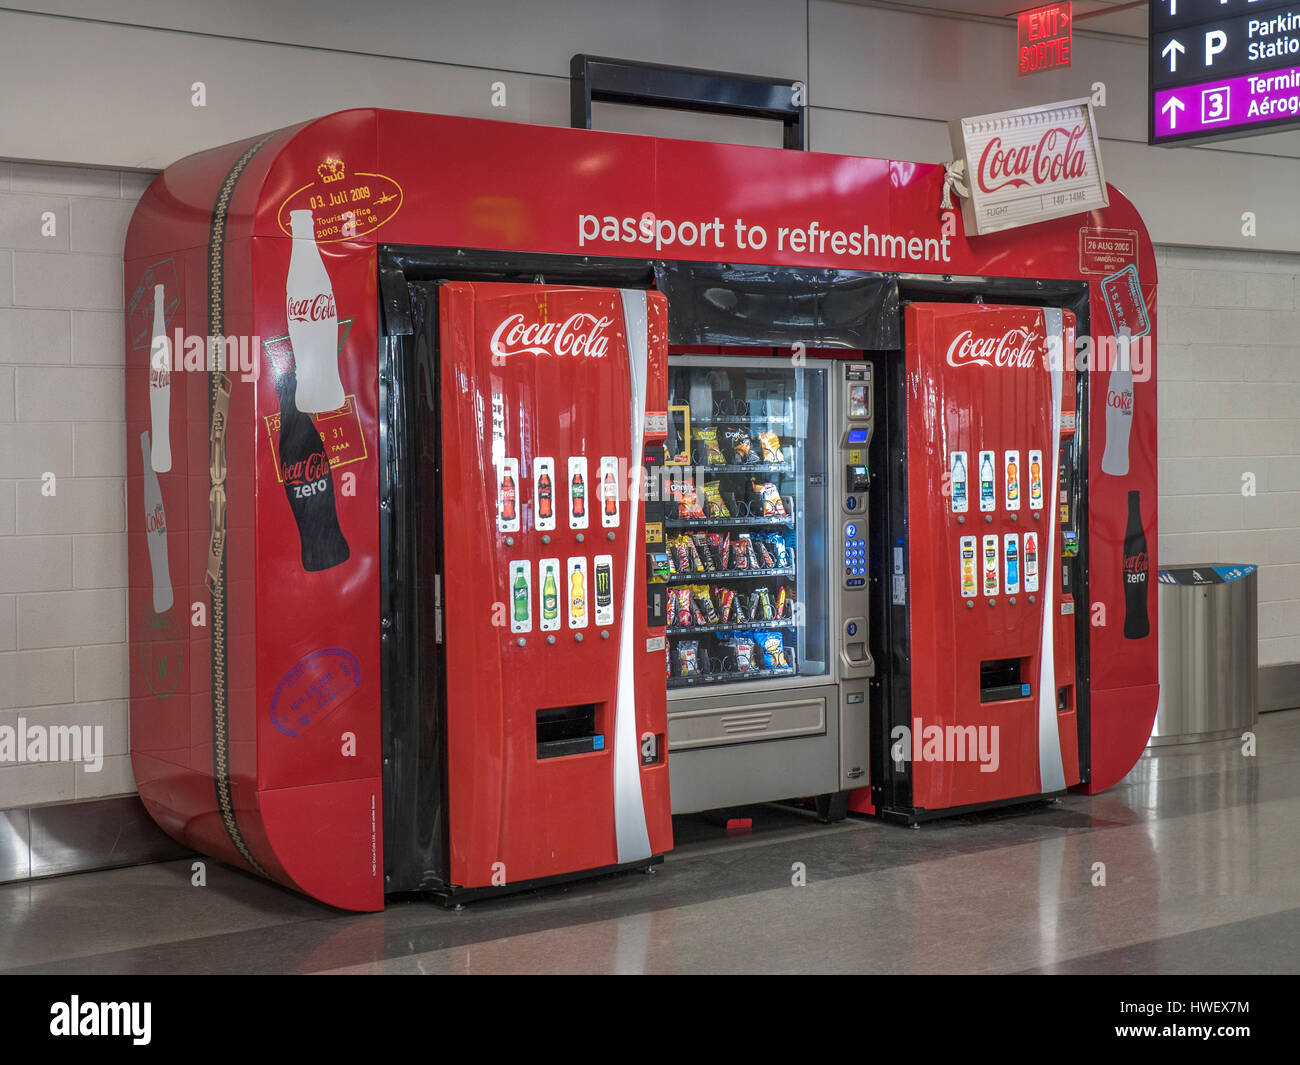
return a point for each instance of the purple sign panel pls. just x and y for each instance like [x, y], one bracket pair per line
[1251, 103]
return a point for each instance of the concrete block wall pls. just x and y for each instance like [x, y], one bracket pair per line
[63, 651]
[1229, 371]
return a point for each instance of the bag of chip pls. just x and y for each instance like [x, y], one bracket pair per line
[771, 444]
[713, 501]
[688, 499]
[707, 439]
[688, 658]
[767, 492]
[741, 648]
[741, 446]
[772, 647]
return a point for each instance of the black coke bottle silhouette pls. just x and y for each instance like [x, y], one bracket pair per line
[308, 482]
[1137, 568]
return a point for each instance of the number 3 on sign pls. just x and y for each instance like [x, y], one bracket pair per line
[1214, 104]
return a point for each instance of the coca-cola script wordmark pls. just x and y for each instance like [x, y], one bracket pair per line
[1015, 348]
[581, 335]
[1058, 156]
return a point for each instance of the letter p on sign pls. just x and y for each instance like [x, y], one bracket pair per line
[1215, 42]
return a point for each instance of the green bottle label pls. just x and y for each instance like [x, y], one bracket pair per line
[521, 597]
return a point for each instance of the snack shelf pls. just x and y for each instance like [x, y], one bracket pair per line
[739, 467]
[730, 626]
[703, 576]
[768, 420]
[786, 520]
[720, 678]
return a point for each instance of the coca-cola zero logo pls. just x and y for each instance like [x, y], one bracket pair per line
[311, 468]
[1015, 348]
[1058, 156]
[316, 308]
[580, 335]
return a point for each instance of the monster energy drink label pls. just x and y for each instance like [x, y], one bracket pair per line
[521, 596]
[548, 574]
[604, 589]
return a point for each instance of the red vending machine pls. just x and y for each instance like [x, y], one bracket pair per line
[988, 635]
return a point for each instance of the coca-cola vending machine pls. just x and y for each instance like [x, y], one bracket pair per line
[474, 498]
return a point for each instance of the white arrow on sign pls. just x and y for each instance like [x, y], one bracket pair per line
[1171, 53]
[1175, 105]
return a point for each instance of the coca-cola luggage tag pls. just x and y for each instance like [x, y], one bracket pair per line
[1125, 306]
[217, 475]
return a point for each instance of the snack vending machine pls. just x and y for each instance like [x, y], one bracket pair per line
[764, 701]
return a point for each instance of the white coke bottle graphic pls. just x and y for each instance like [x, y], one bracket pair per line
[160, 388]
[1119, 414]
[313, 321]
[155, 527]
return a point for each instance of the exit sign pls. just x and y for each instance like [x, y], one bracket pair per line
[1044, 38]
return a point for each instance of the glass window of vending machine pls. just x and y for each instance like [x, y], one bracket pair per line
[745, 523]
[754, 695]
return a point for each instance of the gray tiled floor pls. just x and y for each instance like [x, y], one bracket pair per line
[1200, 848]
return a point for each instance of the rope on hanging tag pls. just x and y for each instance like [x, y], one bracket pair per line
[954, 175]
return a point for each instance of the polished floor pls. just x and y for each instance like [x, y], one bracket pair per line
[1199, 849]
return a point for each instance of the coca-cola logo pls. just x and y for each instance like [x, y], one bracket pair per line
[1120, 400]
[579, 336]
[1058, 156]
[316, 308]
[156, 520]
[1135, 567]
[311, 468]
[1016, 347]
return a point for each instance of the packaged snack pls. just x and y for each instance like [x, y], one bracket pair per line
[688, 499]
[741, 614]
[740, 445]
[684, 617]
[751, 553]
[780, 602]
[671, 556]
[682, 555]
[772, 647]
[740, 556]
[701, 542]
[693, 555]
[704, 603]
[765, 556]
[688, 658]
[741, 648]
[713, 502]
[771, 498]
[713, 455]
[771, 444]
[779, 548]
[726, 601]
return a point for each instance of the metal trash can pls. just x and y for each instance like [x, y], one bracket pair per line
[1209, 653]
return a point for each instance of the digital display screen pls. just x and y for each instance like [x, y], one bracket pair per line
[857, 436]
